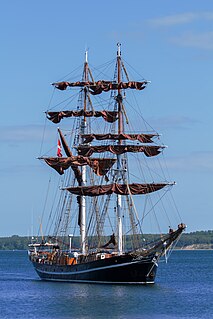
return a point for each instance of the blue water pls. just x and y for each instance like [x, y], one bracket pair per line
[183, 289]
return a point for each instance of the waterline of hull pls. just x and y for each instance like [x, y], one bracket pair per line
[101, 282]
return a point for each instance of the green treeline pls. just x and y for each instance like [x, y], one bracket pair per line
[16, 242]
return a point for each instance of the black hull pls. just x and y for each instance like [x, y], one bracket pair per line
[120, 270]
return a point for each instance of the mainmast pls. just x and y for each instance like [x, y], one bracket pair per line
[83, 131]
[119, 100]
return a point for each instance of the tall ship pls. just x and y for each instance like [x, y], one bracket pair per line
[108, 196]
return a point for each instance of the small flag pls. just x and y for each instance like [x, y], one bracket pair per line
[59, 154]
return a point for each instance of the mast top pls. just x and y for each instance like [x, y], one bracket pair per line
[86, 56]
[119, 49]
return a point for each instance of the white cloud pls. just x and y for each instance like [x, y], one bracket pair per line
[179, 19]
[195, 161]
[202, 40]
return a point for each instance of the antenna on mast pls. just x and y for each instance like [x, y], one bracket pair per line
[86, 56]
[119, 49]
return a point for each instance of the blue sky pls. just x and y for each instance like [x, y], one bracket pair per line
[169, 42]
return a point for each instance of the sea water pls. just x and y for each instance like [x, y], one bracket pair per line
[183, 289]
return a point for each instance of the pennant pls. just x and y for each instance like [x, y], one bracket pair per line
[59, 154]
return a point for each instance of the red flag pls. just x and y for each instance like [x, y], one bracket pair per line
[59, 154]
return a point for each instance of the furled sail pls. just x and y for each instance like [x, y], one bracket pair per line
[108, 116]
[121, 189]
[100, 166]
[101, 86]
[143, 138]
[119, 149]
